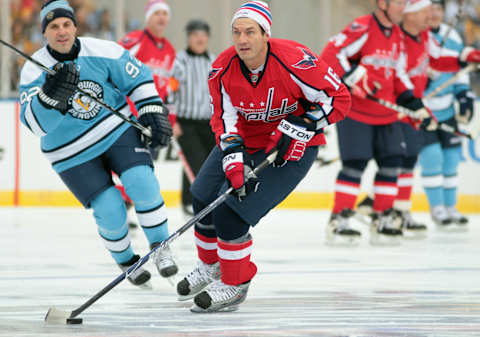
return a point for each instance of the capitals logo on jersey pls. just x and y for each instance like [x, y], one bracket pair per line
[213, 73]
[82, 106]
[308, 60]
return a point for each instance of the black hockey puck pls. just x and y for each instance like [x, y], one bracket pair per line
[74, 320]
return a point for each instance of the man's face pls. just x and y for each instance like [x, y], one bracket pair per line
[420, 19]
[394, 9]
[198, 41]
[437, 14]
[249, 40]
[158, 22]
[60, 34]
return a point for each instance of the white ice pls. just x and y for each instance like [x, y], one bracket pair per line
[53, 257]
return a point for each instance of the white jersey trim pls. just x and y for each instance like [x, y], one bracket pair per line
[94, 135]
[144, 91]
[350, 50]
[32, 121]
[229, 116]
[100, 48]
[316, 96]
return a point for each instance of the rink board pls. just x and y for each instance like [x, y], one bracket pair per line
[27, 178]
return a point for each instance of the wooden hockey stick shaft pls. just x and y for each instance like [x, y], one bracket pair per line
[56, 315]
[145, 131]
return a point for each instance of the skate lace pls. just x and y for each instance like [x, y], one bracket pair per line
[221, 292]
[203, 273]
[163, 257]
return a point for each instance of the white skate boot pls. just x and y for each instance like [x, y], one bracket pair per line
[197, 280]
[457, 218]
[163, 260]
[218, 297]
[385, 229]
[338, 231]
[442, 219]
[139, 276]
[412, 229]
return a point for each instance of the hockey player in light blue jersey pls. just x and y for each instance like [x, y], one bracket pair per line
[85, 142]
[441, 153]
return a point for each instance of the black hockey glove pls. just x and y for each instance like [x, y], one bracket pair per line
[155, 117]
[237, 166]
[465, 100]
[409, 101]
[58, 88]
[290, 139]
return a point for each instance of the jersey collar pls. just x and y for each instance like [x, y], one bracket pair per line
[246, 72]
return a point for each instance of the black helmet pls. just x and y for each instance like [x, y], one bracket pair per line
[197, 24]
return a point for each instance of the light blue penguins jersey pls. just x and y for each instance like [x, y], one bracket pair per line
[442, 104]
[107, 71]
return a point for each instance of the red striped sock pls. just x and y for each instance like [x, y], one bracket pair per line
[235, 264]
[206, 248]
[346, 193]
[385, 193]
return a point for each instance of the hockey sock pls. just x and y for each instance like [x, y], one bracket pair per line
[385, 186]
[111, 215]
[347, 186]
[235, 265]
[206, 248]
[142, 187]
[451, 159]
[405, 184]
[431, 161]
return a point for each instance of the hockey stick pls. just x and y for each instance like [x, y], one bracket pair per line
[468, 69]
[55, 315]
[407, 112]
[145, 131]
[186, 167]
[325, 162]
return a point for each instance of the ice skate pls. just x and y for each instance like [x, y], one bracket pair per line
[457, 218]
[365, 207]
[139, 276]
[338, 232]
[163, 260]
[385, 229]
[412, 229]
[442, 219]
[220, 297]
[197, 280]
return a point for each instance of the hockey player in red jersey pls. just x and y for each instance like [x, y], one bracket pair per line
[262, 92]
[370, 55]
[151, 46]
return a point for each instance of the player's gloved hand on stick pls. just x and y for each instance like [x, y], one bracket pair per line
[238, 166]
[429, 124]
[155, 117]
[290, 139]
[58, 88]
[470, 55]
[465, 100]
[409, 101]
[359, 83]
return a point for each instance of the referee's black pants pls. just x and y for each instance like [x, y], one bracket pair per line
[196, 141]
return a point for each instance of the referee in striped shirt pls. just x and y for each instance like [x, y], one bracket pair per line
[192, 104]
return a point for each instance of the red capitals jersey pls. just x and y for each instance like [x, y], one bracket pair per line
[157, 54]
[381, 52]
[424, 52]
[292, 75]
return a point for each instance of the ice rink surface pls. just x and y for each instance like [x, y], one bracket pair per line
[53, 257]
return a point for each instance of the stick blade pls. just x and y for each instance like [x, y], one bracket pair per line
[57, 316]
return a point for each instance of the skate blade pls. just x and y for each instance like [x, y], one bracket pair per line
[414, 235]
[452, 228]
[172, 280]
[145, 286]
[385, 241]
[197, 310]
[343, 241]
